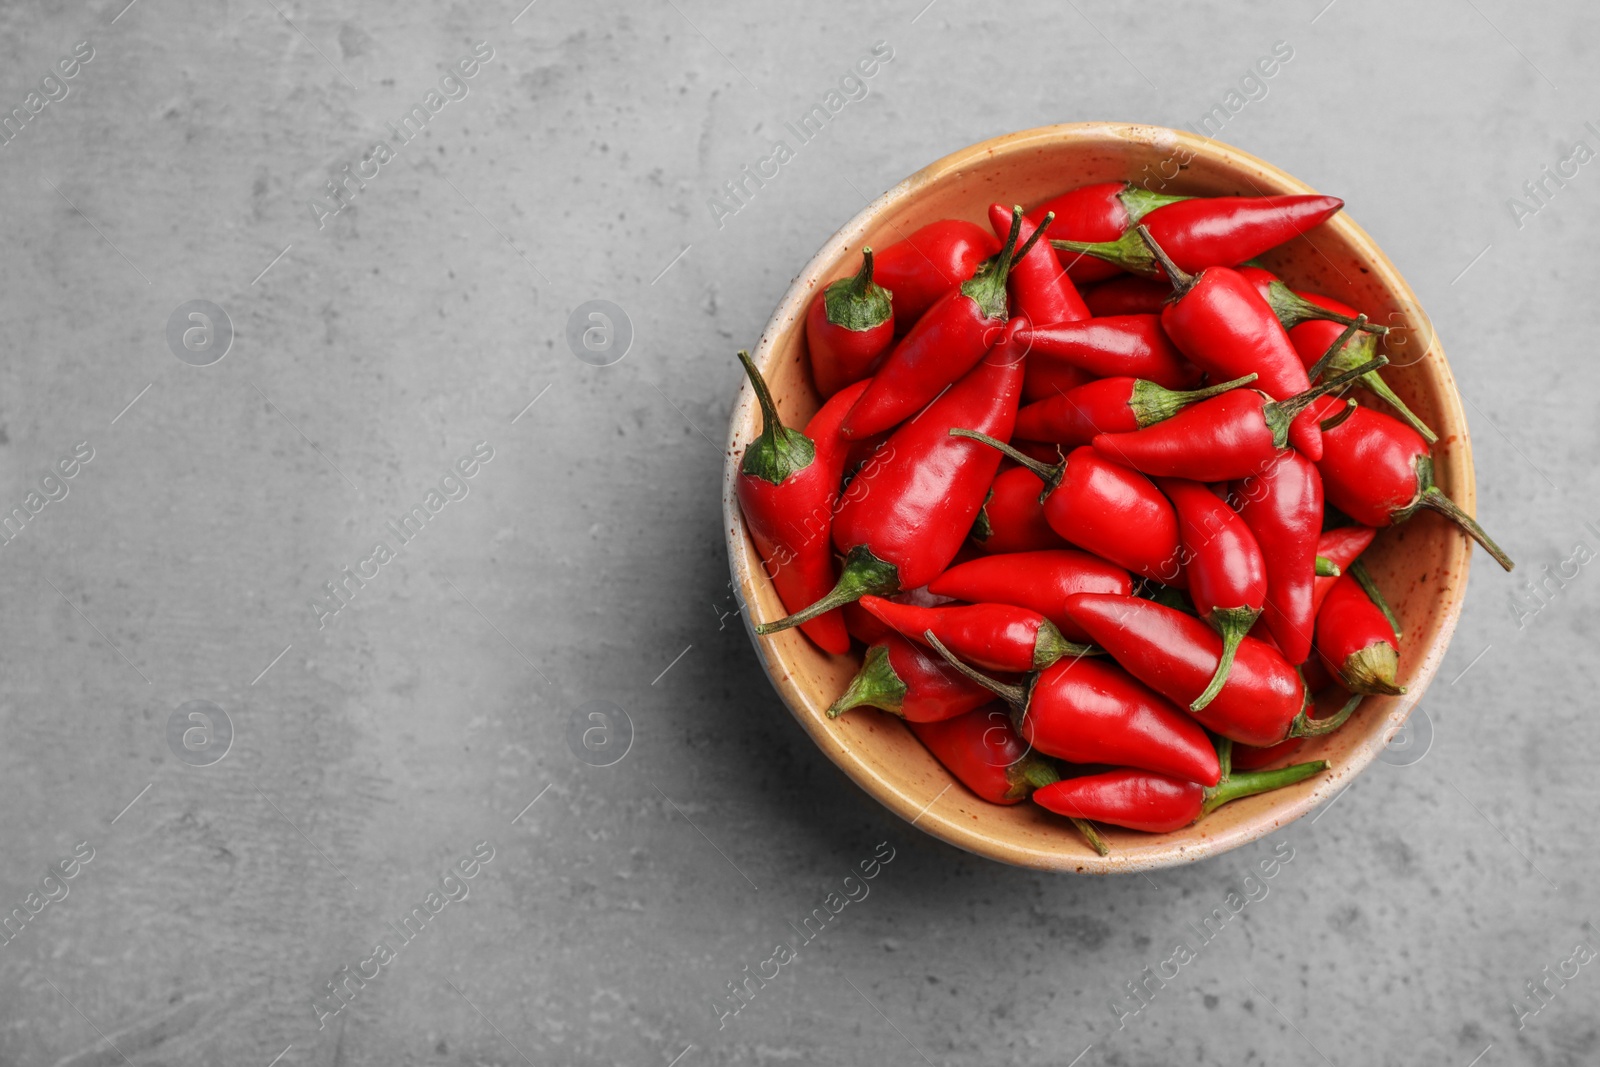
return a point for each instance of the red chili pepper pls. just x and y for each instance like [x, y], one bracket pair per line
[985, 754]
[1356, 640]
[1012, 519]
[1218, 231]
[1109, 405]
[1313, 338]
[1379, 471]
[788, 484]
[999, 637]
[1218, 440]
[848, 326]
[902, 679]
[1219, 321]
[931, 262]
[1099, 212]
[1316, 675]
[1127, 295]
[1050, 377]
[1340, 546]
[1227, 575]
[1088, 711]
[1295, 309]
[1117, 345]
[1039, 580]
[1262, 702]
[1282, 505]
[1158, 803]
[944, 344]
[1250, 758]
[1040, 289]
[1103, 506]
[905, 516]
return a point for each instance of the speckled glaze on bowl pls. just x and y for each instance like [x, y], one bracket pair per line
[1421, 566]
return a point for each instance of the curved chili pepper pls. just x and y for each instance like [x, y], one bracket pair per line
[1113, 346]
[1087, 711]
[1262, 702]
[1379, 471]
[1039, 286]
[1101, 505]
[1220, 322]
[1206, 232]
[985, 754]
[1099, 212]
[1109, 405]
[1341, 546]
[944, 344]
[902, 679]
[1357, 642]
[1282, 505]
[905, 516]
[1313, 338]
[1041, 581]
[1229, 436]
[1127, 295]
[788, 483]
[1159, 803]
[999, 637]
[1227, 575]
[848, 326]
[1012, 519]
[931, 262]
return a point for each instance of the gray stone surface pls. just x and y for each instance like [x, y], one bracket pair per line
[586, 564]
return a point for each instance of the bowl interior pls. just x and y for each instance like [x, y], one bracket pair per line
[1421, 566]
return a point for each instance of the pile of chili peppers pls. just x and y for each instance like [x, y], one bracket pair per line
[1102, 545]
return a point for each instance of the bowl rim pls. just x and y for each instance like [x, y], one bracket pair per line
[1292, 804]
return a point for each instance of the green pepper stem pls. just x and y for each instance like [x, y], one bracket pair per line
[1152, 403]
[1181, 280]
[1433, 497]
[1232, 624]
[1015, 695]
[858, 303]
[1280, 413]
[863, 573]
[1250, 783]
[1224, 758]
[1363, 577]
[1293, 309]
[875, 685]
[777, 451]
[987, 287]
[1327, 568]
[1091, 835]
[1321, 365]
[1338, 420]
[1050, 475]
[1138, 201]
[1306, 726]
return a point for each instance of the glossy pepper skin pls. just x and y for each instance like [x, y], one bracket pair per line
[944, 344]
[931, 262]
[1356, 642]
[904, 517]
[1109, 509]
[902, 679]
[1218, 231]
[1127, 295]
[1108, 405]
[1226, 437]
[1099, 212]
[1227, 574]
[1158, 803]
[1283, 507]
[1041, 581]
[1039, 287]
[1050, 377]
[985, 754]
[1112, 346]
[788, 484]
[1012, 519]
[849, 325]
[1219, 320]
[1379, 471]
[1177, 655]
[1343, 545]
[997, 637]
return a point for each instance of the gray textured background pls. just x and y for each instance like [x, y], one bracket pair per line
[587, 557]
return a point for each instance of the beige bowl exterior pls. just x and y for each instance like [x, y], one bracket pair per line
[1421, 566]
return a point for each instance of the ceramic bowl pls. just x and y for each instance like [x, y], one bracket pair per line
[1421, 565]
